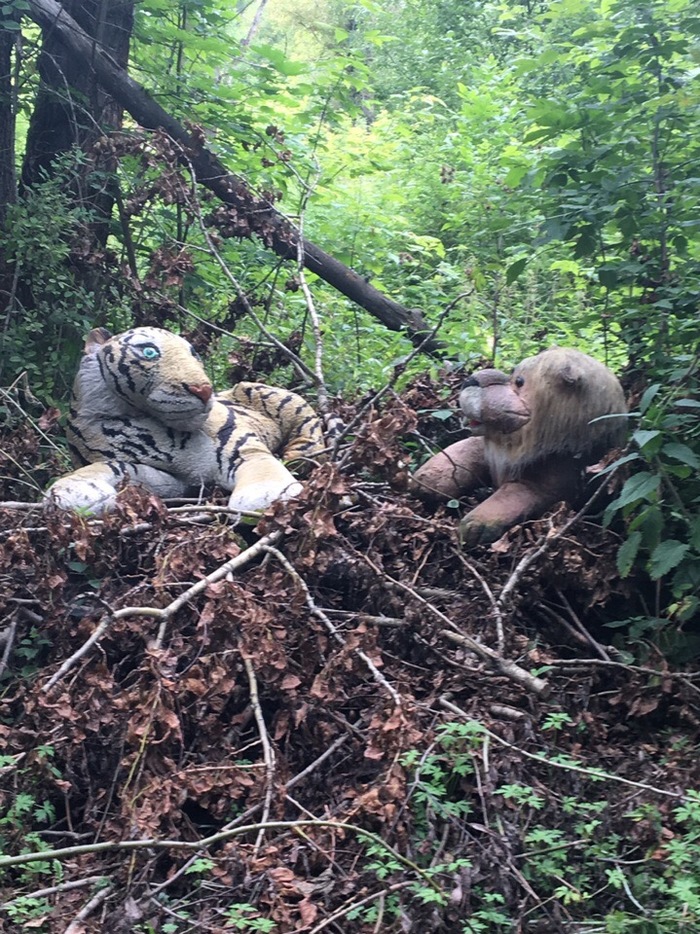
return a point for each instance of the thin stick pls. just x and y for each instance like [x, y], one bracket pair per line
[503, 665]
[319, 614]
[430, 335]
[268, 751]
[567, 766]
[55, 889]
[165, 613]
[69, 852]
[9, 635]
[75, 926]
[498, 616]
[194, 204]
[548, 540]
[315, 322]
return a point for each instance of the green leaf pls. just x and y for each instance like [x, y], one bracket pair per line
[682, 453]
[648, 396]
[514, 270]
[627, 553]
[279, 60]
[642, 436]
[666, 556]
[640, 486]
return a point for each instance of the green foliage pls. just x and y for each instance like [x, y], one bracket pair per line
[618, 148]
[659, 506]
[20, 831]
[242, 917]
[47, 317]
[570, 857]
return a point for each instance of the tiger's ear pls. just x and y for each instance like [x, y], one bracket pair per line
[95, 339]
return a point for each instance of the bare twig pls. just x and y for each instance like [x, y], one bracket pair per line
[56, 889]
[372, 401]
[268, 751]
[9, 636]
[76, 926]
[498, 616]
[344, 910]
[501, 664]
[528, 560]
[319, 614]
[293, 358]
[163, 614]
[311, 308]
[581, 629]
[69, 852]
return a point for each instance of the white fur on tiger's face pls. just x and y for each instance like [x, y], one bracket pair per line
[144, 410]
[148, 369]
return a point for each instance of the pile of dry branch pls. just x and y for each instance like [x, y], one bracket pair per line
[199, 716]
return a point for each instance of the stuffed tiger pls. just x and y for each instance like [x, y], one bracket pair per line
[144, 411]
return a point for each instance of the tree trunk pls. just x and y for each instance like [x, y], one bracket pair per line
[261, 218]
[8, 181]
[8, 186]
[71, 110]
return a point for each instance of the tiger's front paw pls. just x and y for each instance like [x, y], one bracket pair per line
[94, 496]
[255, 497]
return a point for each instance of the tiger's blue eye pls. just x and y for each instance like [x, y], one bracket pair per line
[149, 352]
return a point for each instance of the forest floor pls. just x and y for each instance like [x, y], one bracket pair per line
[334, 719]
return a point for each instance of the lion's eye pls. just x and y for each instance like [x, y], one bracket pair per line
[150, 352]
[519, 381]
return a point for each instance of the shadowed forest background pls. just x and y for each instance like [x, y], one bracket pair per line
[363, 202]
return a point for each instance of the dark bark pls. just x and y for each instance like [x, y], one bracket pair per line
[8, 182]
[8, 187]
[70, 108]
[260, 217]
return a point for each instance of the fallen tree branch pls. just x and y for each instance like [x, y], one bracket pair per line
[262, 219]
[69, 852]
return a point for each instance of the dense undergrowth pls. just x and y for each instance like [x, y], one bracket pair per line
[309, 741]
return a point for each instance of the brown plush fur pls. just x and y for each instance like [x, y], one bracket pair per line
[532, 434]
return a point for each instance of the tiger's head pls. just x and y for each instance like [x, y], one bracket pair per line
[151, 370]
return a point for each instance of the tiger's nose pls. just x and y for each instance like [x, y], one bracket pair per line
[202, 391]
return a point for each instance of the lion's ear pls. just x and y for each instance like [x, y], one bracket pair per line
[571, 376]
[95, 339]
